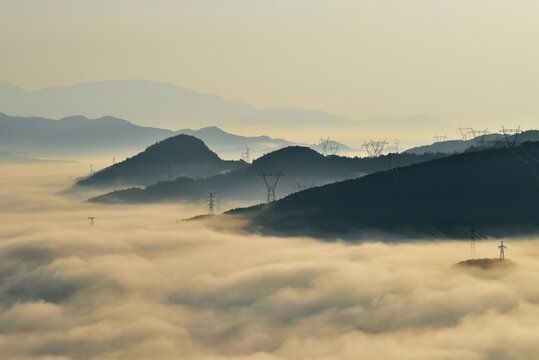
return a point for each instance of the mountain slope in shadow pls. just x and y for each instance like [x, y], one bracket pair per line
[302, 167]
[177, 156]
[496, 191]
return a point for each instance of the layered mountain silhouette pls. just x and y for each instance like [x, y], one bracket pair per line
[177, 156]
[232, 145]
[302, 167]
[496, 191]
[75, 135]
[483, 142]
[228, 144]
[169, 106]
[150, 103]
[78, 135]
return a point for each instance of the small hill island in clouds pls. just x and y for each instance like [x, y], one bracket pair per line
[269, 180]
[180, 155]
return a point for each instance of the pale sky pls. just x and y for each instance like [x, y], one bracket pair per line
[463, 61]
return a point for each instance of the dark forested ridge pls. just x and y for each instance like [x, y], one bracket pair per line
[177, 156]
[496, 191]
[300, 166]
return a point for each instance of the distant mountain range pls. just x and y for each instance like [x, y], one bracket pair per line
[75, 135]
[480, 142]
[78, 135]
[496, 191]
[177, 156]
[486, 141]
[301, 166]
[169, 106]
[151, 104]
[231, 145]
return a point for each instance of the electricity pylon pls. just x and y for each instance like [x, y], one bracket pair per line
[464, 132]
[510, 135]
[396, 142]
[271, 179]
[440, 138]
[479, 136]
[374, 148]
[473, 237]
[324, 143]
[245, 155]
[502, 252]
[213, 200]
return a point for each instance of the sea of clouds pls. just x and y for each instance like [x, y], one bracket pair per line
[142, 284]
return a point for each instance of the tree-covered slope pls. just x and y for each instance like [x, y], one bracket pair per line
[496, 191]
[301, 166]
[177, 156]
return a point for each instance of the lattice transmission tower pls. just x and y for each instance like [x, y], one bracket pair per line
[271, 179]
[374, 148]
[473, 237]
[464, 132]
[502, 248]
[479, 136]
[325, 144]
[396, 142]
[510, 135]
[245, 155]
[439, 138]
[213, 201]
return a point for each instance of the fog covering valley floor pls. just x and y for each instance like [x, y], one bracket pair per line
[141, 284]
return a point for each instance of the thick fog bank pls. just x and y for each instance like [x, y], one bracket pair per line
[139, 284]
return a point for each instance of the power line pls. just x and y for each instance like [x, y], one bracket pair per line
[413, 209]
[301, 187]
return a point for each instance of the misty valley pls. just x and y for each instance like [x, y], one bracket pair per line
[269, 180]
[178, 250]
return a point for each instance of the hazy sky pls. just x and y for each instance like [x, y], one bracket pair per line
[461, 61]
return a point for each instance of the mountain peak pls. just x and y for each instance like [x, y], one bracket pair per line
[186, 147]
[290, 155]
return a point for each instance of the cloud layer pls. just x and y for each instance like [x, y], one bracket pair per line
[140, 284]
